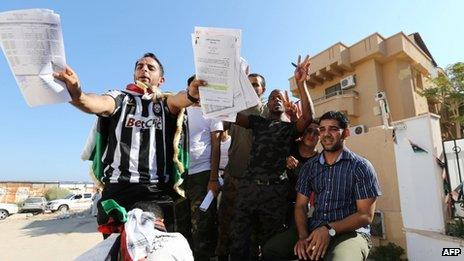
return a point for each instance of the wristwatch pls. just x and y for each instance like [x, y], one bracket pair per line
[191, 98]
[332, 231]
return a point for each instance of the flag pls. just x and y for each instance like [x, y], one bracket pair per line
[95, 147]
[416, 147]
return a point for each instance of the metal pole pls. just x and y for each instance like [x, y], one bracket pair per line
[446, 169]
[456, 151]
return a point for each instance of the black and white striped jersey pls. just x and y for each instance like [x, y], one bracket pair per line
[140, 140]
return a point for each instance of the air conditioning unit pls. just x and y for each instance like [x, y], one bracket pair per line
[348, 82]
[358, 130]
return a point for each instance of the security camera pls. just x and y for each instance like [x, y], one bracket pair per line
[380, 96]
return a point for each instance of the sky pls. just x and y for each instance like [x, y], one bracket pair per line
[103, 39]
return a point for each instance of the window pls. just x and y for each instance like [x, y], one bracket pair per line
[417, 79]
[333, 90]
[34, 200]
[87, 195]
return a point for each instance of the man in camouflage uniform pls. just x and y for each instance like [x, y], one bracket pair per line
[239, 153]
[262, 192]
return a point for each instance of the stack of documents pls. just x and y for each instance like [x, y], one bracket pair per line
[33, 45]
[217, 61]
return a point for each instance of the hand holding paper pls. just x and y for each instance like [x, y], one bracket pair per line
[69, 77]
[209, 197]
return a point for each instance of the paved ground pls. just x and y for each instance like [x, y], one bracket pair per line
[46, 237]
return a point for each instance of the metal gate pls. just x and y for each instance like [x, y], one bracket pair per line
[454, 159]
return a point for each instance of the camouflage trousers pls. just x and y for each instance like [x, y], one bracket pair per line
[261, 207]
[204, 224]
[225, 215]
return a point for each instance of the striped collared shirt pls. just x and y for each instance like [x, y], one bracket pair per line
[337, 186]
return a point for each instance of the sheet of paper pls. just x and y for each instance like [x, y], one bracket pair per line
[209, 197]
[244, 95]
[32, 42]
[214, 58]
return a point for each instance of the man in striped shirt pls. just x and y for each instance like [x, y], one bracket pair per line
[138, 159]
[346, 189]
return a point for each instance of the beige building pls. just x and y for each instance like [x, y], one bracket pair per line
[350, 78]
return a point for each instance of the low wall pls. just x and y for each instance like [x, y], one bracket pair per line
[16, 192]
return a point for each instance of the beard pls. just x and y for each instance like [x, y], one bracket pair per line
[335, 147]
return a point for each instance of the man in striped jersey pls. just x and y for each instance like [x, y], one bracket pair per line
[138, 159]
[346, 188]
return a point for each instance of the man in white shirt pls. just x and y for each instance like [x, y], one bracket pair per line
[204, 156]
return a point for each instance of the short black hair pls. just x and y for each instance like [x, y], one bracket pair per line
[276, 90]
[335, 115]
[190, 79]
[150, 206]
[153, 56]
[263, 81]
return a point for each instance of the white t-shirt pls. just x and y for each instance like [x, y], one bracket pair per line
[200, 139]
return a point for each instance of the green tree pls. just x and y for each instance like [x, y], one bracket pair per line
[56, 193]
[447, 90]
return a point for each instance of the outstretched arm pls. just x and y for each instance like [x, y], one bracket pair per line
[185, 98]
[87, 102]
[307, 105]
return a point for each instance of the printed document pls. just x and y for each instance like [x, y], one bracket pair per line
[32, 42]
[243, 94]
[214, 63]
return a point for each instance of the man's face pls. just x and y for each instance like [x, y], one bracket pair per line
[311, 136]
[148, 71]
[275, 102]
[331, 135]
[257, 84]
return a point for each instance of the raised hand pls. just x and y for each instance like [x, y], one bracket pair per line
[302, 69]
[291, 110]
[193, 87]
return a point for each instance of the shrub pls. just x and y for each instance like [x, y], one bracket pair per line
[56, 193]
[389, 252]
[455, 228]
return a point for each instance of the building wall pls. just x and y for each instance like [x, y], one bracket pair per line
[17, 192]
[368, 84]
[395, 65]
[377, 146]
[429, 246]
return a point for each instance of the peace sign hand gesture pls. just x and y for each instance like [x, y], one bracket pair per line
[302, 69]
